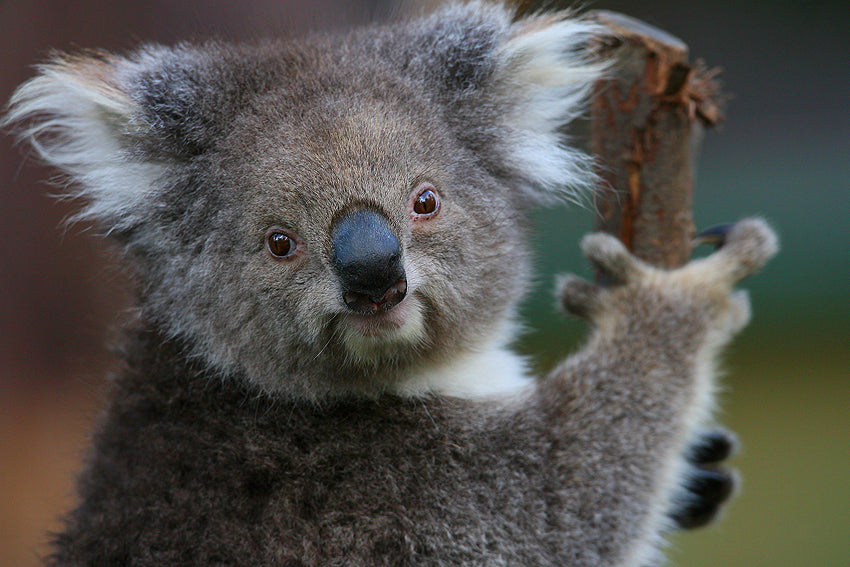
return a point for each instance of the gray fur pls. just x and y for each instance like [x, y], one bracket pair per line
[252, 425]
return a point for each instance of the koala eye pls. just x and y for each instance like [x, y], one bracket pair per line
[426, 202]
[281, 243]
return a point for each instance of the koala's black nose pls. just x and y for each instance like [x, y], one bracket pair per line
[367, 260]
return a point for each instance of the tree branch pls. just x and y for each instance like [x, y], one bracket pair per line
[647, 120]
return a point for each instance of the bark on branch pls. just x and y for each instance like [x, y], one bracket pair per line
[647, 120]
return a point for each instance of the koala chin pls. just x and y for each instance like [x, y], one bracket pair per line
[329, 240]
[377, 337]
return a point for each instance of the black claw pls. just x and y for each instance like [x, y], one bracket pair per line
[705, 486]
[715, 236]
[706, 491]
[712, 484]
[713, 446]
[695, 516]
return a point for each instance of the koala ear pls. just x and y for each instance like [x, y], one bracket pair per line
[512, 85]
[78, 115]
[544, 74]
[115, 125]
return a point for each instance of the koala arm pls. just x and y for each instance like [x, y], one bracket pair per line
[622, 409]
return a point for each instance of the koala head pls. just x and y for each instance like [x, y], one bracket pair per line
[324, 215]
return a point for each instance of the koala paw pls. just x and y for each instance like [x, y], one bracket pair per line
[743, 248]
[706, 485]
[616, 267]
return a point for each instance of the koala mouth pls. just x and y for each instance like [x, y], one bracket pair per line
[366, 304]
[380, 323]
[382, 335]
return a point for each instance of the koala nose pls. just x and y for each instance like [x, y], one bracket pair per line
[367, 260]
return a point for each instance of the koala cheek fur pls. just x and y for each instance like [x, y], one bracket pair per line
[329, 238]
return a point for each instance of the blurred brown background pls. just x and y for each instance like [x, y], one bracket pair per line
[783, 153]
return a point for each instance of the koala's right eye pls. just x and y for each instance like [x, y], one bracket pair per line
[425, 203]
[281, 243]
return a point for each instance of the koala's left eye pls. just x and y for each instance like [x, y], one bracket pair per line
[281, 243]
[426, 202]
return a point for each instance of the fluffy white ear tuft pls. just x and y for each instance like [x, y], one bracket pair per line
[546, 70]
[77, 114]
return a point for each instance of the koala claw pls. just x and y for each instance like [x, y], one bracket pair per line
[706, 490]
[712, 446]
[706, 485]
[747, 246]
[714, 236]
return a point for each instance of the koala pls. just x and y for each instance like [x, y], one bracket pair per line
[329, 241]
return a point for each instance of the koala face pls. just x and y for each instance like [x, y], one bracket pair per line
[332, 214]
[359, 242]
[366, 238]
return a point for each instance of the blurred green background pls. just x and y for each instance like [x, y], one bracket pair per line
[782, 153]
